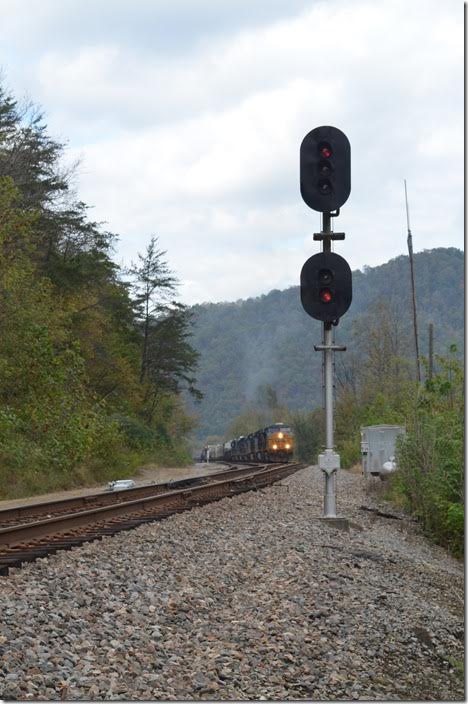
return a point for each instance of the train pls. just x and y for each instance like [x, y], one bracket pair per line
[275, 443]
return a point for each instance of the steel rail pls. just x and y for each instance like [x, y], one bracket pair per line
[105, 498]
[24, 542]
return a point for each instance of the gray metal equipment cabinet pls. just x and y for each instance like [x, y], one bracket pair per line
[378, 446]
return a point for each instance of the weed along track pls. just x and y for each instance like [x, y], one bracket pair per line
[35, 530]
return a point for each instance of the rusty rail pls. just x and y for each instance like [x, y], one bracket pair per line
[27, 541]
[19, 514]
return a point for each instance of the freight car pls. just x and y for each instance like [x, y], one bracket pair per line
[212, 453]
[275, 443]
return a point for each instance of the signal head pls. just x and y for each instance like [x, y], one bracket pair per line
[326, 286]
[325, 169]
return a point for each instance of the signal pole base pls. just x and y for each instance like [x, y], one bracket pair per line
[336, 522]
[329, 463]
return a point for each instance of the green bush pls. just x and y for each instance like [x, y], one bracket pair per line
[308, 432]
[430, 458]
[138, 436]
[350, 452]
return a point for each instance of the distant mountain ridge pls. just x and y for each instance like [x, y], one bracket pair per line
[270, 339]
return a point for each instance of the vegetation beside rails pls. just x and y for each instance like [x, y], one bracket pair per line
[93, 358]
[59, 462]
[430, 479]
[429, 482]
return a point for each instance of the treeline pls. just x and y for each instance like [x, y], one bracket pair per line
[270, 339]
[92, 358]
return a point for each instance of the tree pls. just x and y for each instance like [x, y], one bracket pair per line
[49, 417]
[152, 284]
[308, 434]
[168, 361]
[71, 343]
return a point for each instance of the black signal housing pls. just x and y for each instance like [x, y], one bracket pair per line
[326, 286]
[325, 169]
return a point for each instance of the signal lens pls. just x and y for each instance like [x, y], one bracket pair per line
[325, 276]
[325, 187]
[325, 151]
[325, 295]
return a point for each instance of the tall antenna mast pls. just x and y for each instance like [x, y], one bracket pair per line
[415, 319]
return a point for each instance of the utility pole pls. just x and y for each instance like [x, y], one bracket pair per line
[431, 350]
[415, 319]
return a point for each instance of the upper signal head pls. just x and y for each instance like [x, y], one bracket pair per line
[325, 166]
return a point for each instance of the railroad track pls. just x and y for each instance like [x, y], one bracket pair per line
[36, 530]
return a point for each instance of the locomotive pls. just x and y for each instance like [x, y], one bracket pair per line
[275, 443]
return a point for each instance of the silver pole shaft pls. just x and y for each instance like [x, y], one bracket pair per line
[329, 504]
[328, 364]
[330, 488]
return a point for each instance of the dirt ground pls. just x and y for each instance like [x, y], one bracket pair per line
[147, 474]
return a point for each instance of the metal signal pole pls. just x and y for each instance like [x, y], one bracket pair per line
[329, 460]
[415, 319]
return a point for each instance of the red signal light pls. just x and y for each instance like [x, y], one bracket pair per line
[325, 295]
[325, 151]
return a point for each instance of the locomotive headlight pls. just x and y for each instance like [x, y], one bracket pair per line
[287, 446]
[275, 447]
[280, 435]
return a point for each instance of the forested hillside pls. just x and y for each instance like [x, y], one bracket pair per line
[268, 341]
[92, 358]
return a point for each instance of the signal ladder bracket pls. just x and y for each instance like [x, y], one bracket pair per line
[333, 348]
[329, 236]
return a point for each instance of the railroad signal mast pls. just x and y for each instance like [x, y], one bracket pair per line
[326, 280]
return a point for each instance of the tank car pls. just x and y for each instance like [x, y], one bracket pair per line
[212, 453]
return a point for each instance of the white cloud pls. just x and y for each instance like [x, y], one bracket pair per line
[198, 141]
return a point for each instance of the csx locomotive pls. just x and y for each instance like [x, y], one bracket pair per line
[274, 443]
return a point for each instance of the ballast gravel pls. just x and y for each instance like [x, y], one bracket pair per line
[249, 598]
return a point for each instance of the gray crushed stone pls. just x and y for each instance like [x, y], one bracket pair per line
[249, 598]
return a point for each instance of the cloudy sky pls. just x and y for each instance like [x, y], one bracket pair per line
[187, 117]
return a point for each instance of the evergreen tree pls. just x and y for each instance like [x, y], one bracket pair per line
[167, 359]
[152, 284]
[170, 360]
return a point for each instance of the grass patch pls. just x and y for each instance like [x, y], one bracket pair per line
[33, 479]
[458, 666]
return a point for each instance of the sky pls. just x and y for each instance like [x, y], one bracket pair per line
[187, 117]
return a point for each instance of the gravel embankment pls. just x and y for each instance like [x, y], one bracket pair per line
[248, 598]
